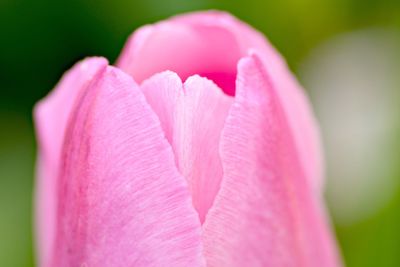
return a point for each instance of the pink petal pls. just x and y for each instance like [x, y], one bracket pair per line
[122, 200]
[192, 116]
[301, 120]
[265, 213]
[205, 50]
[210, 44]
[51, 116]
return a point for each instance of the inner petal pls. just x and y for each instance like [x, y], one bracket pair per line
[192, 116]
[203, 49]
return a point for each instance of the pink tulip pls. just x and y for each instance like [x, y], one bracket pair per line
[198, 148]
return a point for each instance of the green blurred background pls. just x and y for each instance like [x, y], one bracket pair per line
[334, 46]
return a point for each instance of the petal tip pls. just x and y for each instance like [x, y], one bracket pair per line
[196, 82]
[167, 75]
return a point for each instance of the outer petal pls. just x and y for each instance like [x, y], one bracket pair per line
[192, 116]
[122, 200]
[51, 116]
[265, 213]
[210, 44]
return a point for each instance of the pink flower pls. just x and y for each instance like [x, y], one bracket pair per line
[198, 148]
